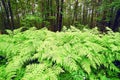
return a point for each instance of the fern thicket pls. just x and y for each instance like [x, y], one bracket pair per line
[68, 55]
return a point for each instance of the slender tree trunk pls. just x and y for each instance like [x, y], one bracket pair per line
[59, 4]
[75, 18]
[92, 16]
[11, 15]
[1, 19]
[103, 21]
[61, 16]
[42, 12]
[17, 16]
[116, 21]
[84, 14]
[47, 8]
[57, 21]
[7, 14]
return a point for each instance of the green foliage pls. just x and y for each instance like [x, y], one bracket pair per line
[116, 4]
[68, 55]
[31, 21]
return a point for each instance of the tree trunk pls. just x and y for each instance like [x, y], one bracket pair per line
[92, 16]
[11, 15]
[57, 17]
[116, 21]
[59, 4]
[7, 14]
[75, 18]
[61, 16]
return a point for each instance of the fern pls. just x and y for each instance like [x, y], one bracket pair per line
[71, 54]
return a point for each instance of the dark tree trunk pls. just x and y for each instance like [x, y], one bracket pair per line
[57, 17]
[7, 15]
[48, 8]
[103, 22]
[2, 18]
[17, 16]
[75, 12]
[59, 4]
[61, 16]
[116, 21]
[92, 16]
[11, 15]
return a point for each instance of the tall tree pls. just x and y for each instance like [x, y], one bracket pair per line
[59, 4]
[9, 14]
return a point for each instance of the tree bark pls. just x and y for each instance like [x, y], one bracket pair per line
[11, 15]
[7, 14]
[75, 18]
[59, 4]
[116, 21]
[61, 16]
[57, 17]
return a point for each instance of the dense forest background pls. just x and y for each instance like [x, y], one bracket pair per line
[54, 14]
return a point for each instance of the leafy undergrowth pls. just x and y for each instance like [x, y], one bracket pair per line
[68, 55]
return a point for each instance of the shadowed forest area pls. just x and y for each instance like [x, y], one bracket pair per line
[54, 14]
[59, 39]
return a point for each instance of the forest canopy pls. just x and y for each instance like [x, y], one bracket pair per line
[54, 14]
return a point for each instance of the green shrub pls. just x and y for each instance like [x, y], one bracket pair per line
[69, 55]
[31, 21]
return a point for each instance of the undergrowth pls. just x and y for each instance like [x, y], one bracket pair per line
[67, 55]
